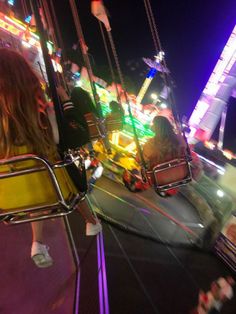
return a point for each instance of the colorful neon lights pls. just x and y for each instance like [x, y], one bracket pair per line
[16, 29]
[210, 92]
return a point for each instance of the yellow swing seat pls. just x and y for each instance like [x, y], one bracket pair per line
[31, 188]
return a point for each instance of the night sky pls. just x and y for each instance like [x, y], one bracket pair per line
[192, 32]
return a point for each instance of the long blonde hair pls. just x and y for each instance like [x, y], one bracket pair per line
[23, 118]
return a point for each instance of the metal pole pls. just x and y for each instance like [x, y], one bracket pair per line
[222, 127]
[49, 70]
[136, 139]
[85, 55]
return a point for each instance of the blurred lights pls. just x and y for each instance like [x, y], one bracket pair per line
[220, 193]
[154, 96]
[160, 56]
[50, 47]
[28, 19]
[25, 44]
[210, 145]
[228, 154]
[218, 76]
[57, 67]
[219, 168]
[163, 105]
[221, 172]
[78, 83]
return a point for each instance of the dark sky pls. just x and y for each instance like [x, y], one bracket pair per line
[192, 32]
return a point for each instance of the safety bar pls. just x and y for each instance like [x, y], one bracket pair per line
[169, 175]
[113, 124]
[95, 125]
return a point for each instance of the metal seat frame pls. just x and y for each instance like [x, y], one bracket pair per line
[95, 125]
[113, 125]
[152, 175]
[60, 208]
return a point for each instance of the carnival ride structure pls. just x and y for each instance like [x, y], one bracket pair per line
[212, 104]
[124, 149]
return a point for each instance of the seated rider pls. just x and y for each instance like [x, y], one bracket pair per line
[165, 145]
[81, 135]
[84, 105]
[116, 110]
[114, 120]
[26, 124]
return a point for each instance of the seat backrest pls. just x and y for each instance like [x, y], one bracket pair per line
[114, 122]
[30, 184]
[169, 174]
[95, 129]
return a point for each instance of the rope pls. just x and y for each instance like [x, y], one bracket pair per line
[158, 46]
[57, 29]
[50, 72]
[109, 61]
[51, 33]
[85, 55]
[155, 41]
[24, 7]
[126, 98]
[58, 41]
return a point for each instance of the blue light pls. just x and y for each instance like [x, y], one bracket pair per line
[11, 2]
[151, 73]
[76, 75]
[28, 19]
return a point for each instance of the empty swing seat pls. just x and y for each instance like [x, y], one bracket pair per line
[31, 188]
[95, 126]
[169, 175]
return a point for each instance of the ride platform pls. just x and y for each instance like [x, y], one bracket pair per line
[146, 260]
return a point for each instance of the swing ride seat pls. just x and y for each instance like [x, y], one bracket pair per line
[15, 174]
[169, 175]
[114, 123]
[96, 129]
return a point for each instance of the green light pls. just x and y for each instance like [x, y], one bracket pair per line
[142, 130]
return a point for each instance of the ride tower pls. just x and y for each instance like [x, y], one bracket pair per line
[155, 66]
[212, 104]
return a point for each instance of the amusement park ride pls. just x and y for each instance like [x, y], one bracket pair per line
[210, 107]
[126, 134]
[212, 104]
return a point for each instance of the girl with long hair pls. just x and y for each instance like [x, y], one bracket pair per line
[165, 145]
[25, 128]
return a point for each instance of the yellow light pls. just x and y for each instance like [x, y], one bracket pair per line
[115, 138]
[17, 30]
[228, 154]
[154, 96]
[25, 44]
[57, 67]
[209, 144]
